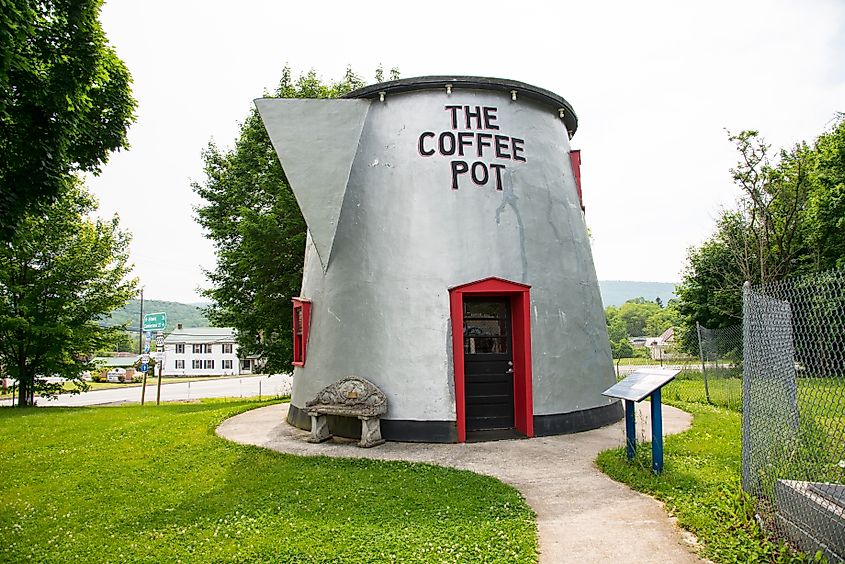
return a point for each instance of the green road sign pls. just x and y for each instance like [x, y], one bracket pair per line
[153, 321]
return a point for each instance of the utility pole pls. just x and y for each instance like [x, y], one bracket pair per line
[141, 326]
[141, 345]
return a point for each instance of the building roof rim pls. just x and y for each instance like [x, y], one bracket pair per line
[475, 82]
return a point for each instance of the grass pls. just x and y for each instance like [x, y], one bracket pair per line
[723, 384]
[151, 381]
[700, 485]
[154, 484]
[648, 361]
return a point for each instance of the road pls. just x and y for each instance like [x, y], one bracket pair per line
[247, 386]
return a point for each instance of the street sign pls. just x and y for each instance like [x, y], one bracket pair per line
[159, 341]
[147, 337]
[145, 359]
[144, 368]
[154, 321]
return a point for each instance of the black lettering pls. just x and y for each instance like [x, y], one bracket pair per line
[423, 135]
[470, 114]
[479, 165]
[490, 117]
[464, 140]
[454, 110]
[501, 147]
[443, 136]
[498, 168]
[458, 167]
[516, 145]
[480, 144]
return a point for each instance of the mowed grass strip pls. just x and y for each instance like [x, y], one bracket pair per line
[701, 486]
[154, 484]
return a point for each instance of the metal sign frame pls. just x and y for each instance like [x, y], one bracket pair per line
[637, 386]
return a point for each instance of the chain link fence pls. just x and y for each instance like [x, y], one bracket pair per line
[715, 377]
[793, 436]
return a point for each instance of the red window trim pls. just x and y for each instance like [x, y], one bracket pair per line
[520, 299]
[575, 160]
[300, 342]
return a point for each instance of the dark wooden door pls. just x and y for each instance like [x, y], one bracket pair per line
[488, 364]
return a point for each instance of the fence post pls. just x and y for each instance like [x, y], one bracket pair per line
[703, 367]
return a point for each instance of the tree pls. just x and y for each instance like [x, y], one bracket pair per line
[766, 234]
[65, 101]
[826, 209]
[258, 231]
[60, 276]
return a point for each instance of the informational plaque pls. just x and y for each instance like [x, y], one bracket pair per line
[640, 384]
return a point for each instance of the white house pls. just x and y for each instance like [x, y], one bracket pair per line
[204, 351]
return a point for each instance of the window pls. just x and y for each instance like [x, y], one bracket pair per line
[206, 349]
[227, 364]
[180, 349]
[301, 320]
[247, 364]
[197, 349]
[227, 349]
[196, 364]
[180, 363]
[208, 364]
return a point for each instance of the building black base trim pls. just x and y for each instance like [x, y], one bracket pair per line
[577, 421]
[403, 430]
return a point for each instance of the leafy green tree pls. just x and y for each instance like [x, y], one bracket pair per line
[826, 209]
[621, 349]
[661, 320]
[251, 215]
[635, 314]
[60, 276]
[65, 101]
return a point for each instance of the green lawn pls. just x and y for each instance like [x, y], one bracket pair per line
[701, 486]
[151, 381]
[155, 484]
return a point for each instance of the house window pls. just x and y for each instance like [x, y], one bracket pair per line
[197, 349]
[196, 364]
[247, 364]
[208, 364]
[206, 349]
[180, 363]
[227, 364]
[301, 321]
[227, 349]
[180, 349]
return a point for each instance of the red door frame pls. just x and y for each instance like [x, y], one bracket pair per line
[520, 299]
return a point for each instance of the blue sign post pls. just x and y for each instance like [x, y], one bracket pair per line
[635, 388]
[145, 358]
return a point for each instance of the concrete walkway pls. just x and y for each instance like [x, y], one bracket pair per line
[582, 515]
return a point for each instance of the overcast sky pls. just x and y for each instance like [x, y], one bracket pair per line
[654, 84]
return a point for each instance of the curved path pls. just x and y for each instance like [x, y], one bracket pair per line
[582, 515]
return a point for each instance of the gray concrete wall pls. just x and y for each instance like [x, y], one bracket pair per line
[381, 307]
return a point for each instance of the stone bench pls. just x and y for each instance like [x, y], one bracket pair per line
[349, 397]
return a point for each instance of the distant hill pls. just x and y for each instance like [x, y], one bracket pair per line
[186, 314]
[617, 292]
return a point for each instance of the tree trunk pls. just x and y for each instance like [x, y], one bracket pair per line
[23, 393]
[25, 385]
